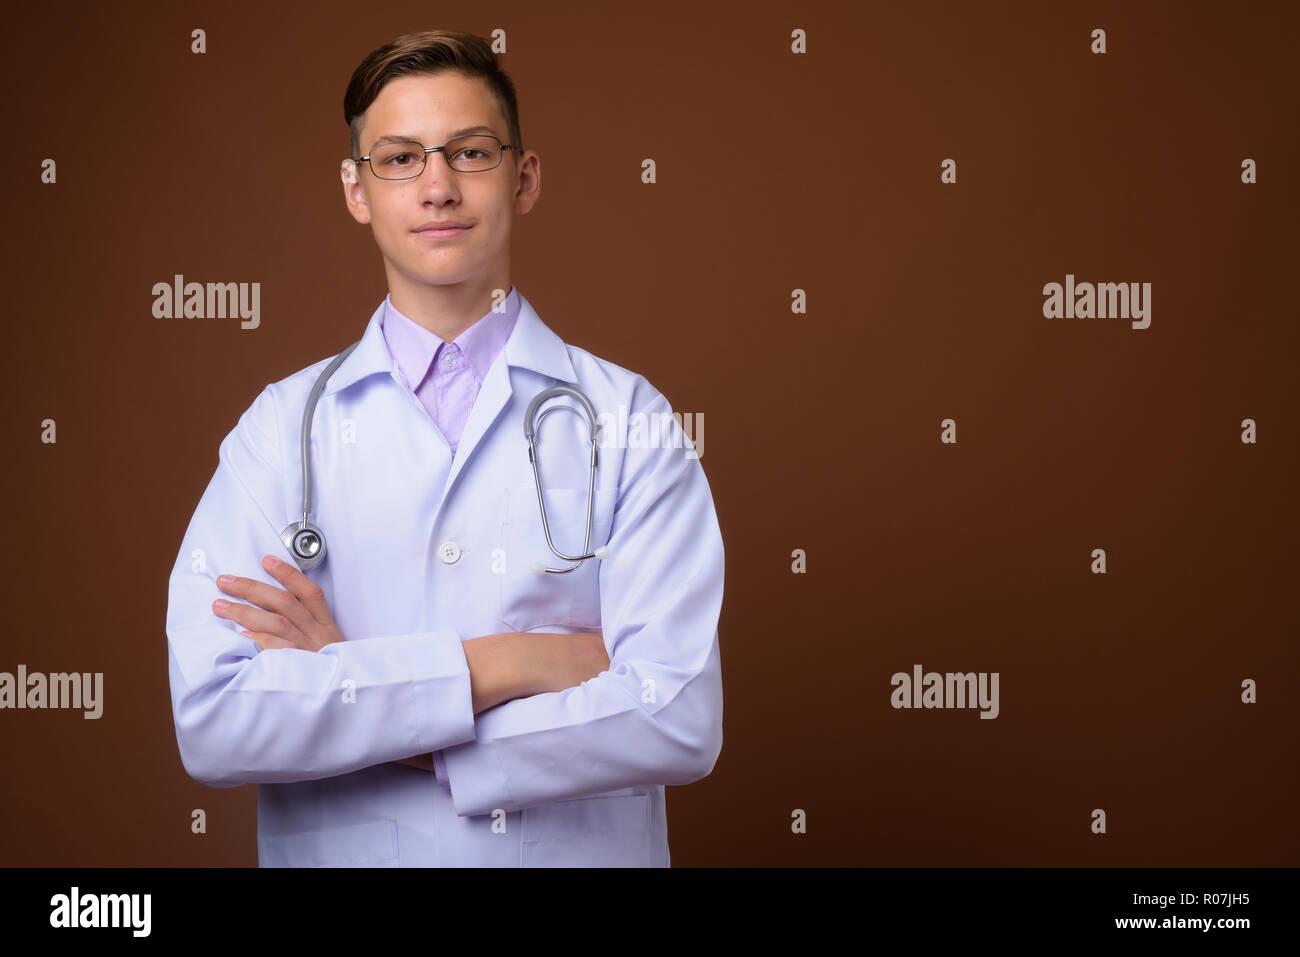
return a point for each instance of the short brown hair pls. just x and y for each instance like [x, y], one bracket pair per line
[424, 54]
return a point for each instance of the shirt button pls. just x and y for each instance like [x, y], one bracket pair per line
[450, 360]
[449, 552]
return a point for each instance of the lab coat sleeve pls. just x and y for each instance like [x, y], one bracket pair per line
[244, 715]
[655, 717]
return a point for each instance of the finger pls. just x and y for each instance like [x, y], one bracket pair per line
[265, 641]
[255, 619]
[308, 593]
[274, 600]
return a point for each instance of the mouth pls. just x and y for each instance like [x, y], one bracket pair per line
[448, 233]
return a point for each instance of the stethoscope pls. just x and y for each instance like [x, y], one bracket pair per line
[306, 542]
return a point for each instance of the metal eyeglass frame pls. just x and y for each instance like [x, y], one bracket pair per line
[424, 159]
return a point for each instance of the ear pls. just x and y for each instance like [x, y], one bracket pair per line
[353, 193]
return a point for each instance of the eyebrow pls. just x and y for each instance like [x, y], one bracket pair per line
[403, 138]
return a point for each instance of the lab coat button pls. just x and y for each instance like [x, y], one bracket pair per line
[449, 552]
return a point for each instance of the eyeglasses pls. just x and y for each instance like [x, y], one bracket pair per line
[476, 153]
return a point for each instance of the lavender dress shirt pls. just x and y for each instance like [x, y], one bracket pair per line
[446, 377]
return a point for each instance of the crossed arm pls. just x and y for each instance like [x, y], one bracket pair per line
[502, 667]
[650, 712]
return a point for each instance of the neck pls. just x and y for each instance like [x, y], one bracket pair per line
[449, 310]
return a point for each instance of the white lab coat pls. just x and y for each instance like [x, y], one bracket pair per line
[569, 778]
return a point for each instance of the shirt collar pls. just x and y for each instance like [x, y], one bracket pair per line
[415, 348]
[531, 345]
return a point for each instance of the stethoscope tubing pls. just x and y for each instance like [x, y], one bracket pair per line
[530, 430]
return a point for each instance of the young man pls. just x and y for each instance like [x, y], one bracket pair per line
[421, 696]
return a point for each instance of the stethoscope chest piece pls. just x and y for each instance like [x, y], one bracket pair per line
[306, 543]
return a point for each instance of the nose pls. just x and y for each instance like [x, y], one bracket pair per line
[437, 176]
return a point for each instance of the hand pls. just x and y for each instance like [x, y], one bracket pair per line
[296, 618]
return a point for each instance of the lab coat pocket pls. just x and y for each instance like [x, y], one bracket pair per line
[370, 844]
[530, 600]
[588, 832]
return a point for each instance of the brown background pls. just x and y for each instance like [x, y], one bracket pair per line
[775, 172]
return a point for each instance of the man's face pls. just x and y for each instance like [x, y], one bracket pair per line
[431, 110]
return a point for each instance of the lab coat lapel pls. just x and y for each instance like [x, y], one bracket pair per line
[532, 345]
[492, 398]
